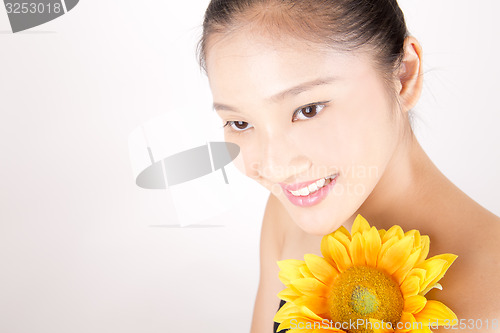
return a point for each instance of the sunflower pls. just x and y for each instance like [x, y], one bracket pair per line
[368, 280]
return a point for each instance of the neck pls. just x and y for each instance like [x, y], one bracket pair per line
[408, 184]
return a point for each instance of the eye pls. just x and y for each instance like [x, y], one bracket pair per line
[308, 111]
[237, 126]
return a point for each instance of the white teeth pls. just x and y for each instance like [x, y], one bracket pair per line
[305, 191]
[312, 187]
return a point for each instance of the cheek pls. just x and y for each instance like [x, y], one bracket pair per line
[366, 131]
[355, 137]
[368, 141]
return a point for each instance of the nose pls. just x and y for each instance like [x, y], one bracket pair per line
[279, 159]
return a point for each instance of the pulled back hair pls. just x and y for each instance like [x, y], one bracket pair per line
[346, 25]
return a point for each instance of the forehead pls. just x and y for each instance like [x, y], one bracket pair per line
[244, 62]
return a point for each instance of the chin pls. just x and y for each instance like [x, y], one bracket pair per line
[318, 220]
[317, 227]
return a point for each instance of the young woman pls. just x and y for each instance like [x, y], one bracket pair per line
[317, 94]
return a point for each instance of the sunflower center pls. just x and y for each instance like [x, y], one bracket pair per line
[362, 292]
[364, 301]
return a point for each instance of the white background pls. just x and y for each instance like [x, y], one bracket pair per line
[83, 249]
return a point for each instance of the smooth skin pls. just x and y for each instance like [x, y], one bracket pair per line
[263, 83]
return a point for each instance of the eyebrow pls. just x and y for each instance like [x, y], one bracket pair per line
[295, 90]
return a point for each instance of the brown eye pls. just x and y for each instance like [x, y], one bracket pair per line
[238, 126]
[309, 111]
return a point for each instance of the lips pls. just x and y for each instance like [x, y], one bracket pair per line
[296, 186]
[314, 197]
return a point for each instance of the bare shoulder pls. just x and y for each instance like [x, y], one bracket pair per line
[272, 232]
[483, 266]
[271, 243]
[280, 239]
[471, 287]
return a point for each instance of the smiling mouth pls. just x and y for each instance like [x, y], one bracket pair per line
[313, 187]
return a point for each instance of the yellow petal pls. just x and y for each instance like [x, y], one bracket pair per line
[305, 325]
[293, 322]
[373, 244]
[403, 271]
[407, 323]
[385, 247]
[316, 304]
[302, 314]
[310, 287]
[304, 270]
[437, 265]
[342, 238]
[285, 324]
[290, 263]
[424, 243]
[414, 304]
[288, 310]
[325, 251]
[339, 254]
[431, 286]
[344, 231]
[418, 272]
[304, 310]
[320, 268]
[357, 249]
[381, 232]
[432, 273]
[288, 294]
[410, 286]
[435, 313]
[394, 231]
[396, 255]
[416, 234]
[289, 270]
[359, 225]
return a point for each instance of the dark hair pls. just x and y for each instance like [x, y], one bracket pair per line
[377, 26]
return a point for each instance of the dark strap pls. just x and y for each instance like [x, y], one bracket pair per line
[277, 324]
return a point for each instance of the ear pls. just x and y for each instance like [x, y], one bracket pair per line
[410, 74]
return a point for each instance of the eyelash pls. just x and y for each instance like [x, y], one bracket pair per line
[317, 106]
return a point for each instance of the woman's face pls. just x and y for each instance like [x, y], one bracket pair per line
[300, 114]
